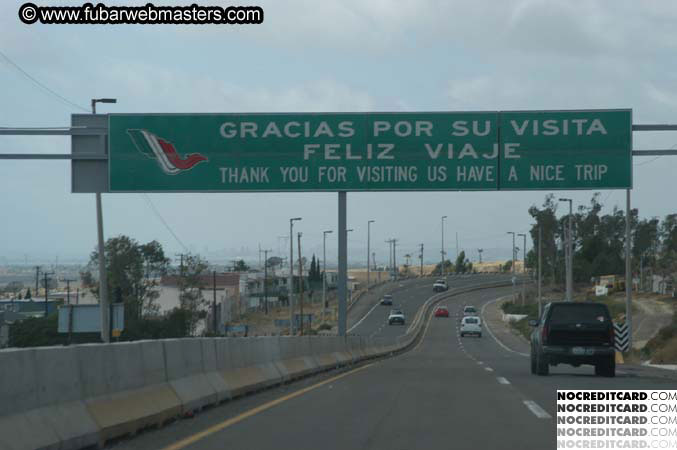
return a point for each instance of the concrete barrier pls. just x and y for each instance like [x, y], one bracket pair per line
[295, 357]
[323, 349]
[33, 400]
[246, 365]
[185, 374]
[125, 386]
[212, 372]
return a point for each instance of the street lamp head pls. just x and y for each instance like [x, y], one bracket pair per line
[371, 221]
[522, 234]
[564, 199]
[444, 217]
[328, 231]
[510, 232]
[106, 100]
[349, 229]
[294, 219]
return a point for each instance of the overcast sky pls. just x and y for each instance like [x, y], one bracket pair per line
[329, 55]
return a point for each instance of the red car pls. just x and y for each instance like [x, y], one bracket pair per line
[441, 311]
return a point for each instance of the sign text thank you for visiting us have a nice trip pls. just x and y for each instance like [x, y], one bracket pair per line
[437, 151]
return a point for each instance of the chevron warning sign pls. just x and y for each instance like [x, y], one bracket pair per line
[621, 336]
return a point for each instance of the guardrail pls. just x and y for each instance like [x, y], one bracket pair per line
[84, 395]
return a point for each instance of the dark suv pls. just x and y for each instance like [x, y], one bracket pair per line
[573, 333]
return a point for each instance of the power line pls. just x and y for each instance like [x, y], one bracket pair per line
[159, 216]
[39, 84]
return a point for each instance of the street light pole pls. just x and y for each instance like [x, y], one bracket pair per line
[291, 274]
[324, 269]
[540, 239]
[443, 270]
[513, 264]
[369, 222]
[524, 265]
[570, 259]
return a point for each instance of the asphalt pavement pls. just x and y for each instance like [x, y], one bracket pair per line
[447, 392]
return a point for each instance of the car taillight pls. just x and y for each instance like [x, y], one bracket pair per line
[544, 334]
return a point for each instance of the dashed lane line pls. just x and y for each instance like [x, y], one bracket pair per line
[537, 410]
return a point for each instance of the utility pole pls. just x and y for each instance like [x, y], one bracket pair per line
[37, 281]
[457, 245]
[291, 274]
[569, 252]
[324, 267]
[540, 240]
[46, 281]
[390, 256]
[265, 280]
[443, 270]
[420, 256]
[300, 282]
[368, 251]
[68, 290]
[215, 322]
[373, 260]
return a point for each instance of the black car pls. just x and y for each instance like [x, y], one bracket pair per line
[387, 300]
[573, 333]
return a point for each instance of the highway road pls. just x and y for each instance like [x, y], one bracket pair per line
[371, 319]
[447, 392]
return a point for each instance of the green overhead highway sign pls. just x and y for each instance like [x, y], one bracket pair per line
[370, 151]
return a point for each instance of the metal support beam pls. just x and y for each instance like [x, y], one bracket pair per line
[57, 131]
[654, 127]
[628, 269]
[342, 264]
[80, 156]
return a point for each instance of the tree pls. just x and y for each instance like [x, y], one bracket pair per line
[240, 266]
[132, 273]
[190, 290]
[461, 262]
[507, 267]
[448, 268]
[28, 294]
[13, 287]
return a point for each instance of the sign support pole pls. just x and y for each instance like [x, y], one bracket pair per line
[342, 264]
[103, 279]
[628, 269]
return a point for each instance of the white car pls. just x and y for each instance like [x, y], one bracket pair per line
[440, 286]
[396, 316]
[469, 311]
[471, 325]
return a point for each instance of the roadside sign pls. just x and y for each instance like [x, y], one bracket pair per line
[437, 151]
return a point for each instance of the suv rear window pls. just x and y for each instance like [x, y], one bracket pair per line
[582, 312]
[471, 320]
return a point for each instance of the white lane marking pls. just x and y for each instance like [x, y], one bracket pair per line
[488, 369]
[486, 327]
[365, 316]
[537, 410]
[502, 380]
[480, 362]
